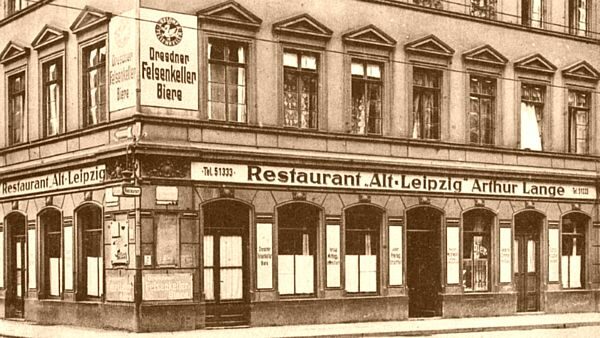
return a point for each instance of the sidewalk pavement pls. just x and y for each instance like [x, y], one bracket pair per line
[413, 327]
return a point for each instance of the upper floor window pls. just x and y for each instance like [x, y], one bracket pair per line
[227, 80]
[300, 88]
[367, 87]
[531, 13]
[532, 112]
[17, 5]
[579, 116]
[578, 17]
[484, 8]
[52, 83]
[94, 84]
[482, 102]
[16, 107]
[426, 103]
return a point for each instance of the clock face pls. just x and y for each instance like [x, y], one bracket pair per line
[168, 31]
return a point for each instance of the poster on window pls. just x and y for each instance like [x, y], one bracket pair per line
[505, 255]
[452, 255]
[395, 255]
[553, 261]
[264, 255]
[168, 59]
[68, 251]
[122, 61]
[31, 258]
[333, 256]
[119, 243]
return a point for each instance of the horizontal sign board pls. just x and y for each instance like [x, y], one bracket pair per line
[75, 178]
[371, 180]
[126, 190]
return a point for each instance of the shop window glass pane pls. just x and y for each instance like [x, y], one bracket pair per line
[352, 273]
[167, 253]
[55, 274]
[285, 274]
[476, 254]
[362, 249]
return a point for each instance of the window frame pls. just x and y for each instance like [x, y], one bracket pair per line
[10, 95]
[246, 66]
[12, 8]
[494, 119]
[568, 126]
[441, 102]
[60, 81]
[82, 233]
[586, 224]
[378, 238]
[84, 48]
[572, 18]
[526, 12]
[491, 255]
[365, 81]
[45, 235]
[298, 72]
[543, 124]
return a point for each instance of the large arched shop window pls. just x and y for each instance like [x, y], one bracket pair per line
[50, 225]
[297, 224]
[89, 223]
[477, 231]
[573, 250]
[362, 247]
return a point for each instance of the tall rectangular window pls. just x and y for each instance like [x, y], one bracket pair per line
[300, 89]
[16, 107]
[482, 101]
[531, 13]
[367, 86]
[227, 81]
[52, 83]
[578, 17]
[573, 251]
[426, 104]
[94, 84]
[476, 250]
[579, 117]
[17, 5]
[532, 111]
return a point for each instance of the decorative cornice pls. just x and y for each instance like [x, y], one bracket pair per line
[369, 35]
[535, 63]
[48, 36]
[485, 54]
[430, 45]
[13, 51]
[88, 18]
[303, 25]
[581, 70]
[230, 13]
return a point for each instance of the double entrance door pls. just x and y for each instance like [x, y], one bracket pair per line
[225, 278]
[527, 265]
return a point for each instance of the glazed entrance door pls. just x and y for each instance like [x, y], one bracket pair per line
[423, 262]
[17, 272]
[526, 269]
[225, 281]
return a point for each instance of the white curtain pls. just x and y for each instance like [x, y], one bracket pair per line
[536, 13]
[530, 129]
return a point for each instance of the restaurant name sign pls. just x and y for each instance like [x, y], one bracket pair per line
[371, 180]
[53, 181]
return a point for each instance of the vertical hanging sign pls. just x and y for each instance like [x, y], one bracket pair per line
[264, 255]
[452, 255]
[168, 59]
[122, 63]
[333, 256]
[505, 255]
[395, 239]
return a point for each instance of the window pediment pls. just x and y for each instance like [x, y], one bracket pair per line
[13, 51]
[485, 54]
[535, 63]
[581, 70]
[230, 12]
[303, 25]
[48, 36]
[369, 35]
[89, 17]
[430, 45]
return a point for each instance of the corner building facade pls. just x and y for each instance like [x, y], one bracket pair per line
[187, 164]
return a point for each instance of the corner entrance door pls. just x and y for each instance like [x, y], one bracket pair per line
[16, 267]
[423, 257]
[225, 268]
[527, 265]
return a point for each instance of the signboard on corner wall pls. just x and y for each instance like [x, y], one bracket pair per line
[168, 59]
[122, 61]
